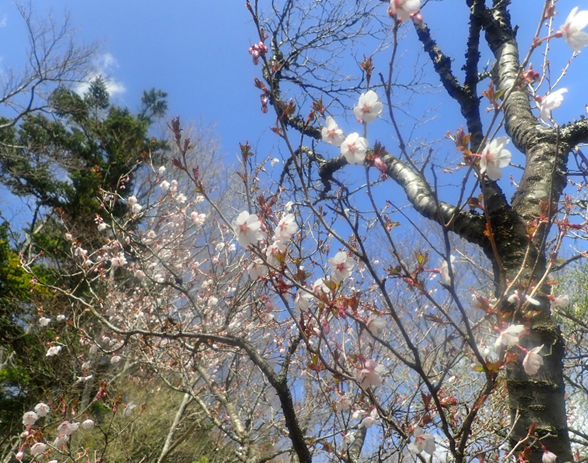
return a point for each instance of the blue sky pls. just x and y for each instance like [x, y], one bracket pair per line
[194, 50]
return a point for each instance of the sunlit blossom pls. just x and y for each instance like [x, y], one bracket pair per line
[60, 440]
[53, 350]
[369, 375]
[533, 361]
[128, 411]
[42, 409]
[572, 29]
[29, 418]
[38, 448]
[375, 324]
[549, 457]
[247, 228]
[550, 102]
[368, 107]
[88, 424]
[509, 337]
[67, 428]
[494, 157]
[275, 253]
[404, 9]
[331, 132]
[369, 420]
[257, 269]
[164, 186]
[341, 265]
[422, 442]
[286, 228]
[161, 170]
[354, 148]
[444, 271]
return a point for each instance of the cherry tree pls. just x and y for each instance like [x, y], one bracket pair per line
[352, 302]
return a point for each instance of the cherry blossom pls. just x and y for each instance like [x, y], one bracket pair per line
[247, 228]
[161, 170]
[572, 29]
[375, 325]
[302, 300]
[164, 186]
[404, 9]
[509, 337]
[257, 269]
[533, 361]
[19, 456]
[368, 108]
[66, 428]
[275, 253]
[29, 418]
[560, 301]
[348, 439]
[422, 442]
[60, 440]
[494, 157]
[38, 448]
[369, 375]
[343, 403]
[331, 133]
[354, 148]
[44, 321]
[549, 457]
[341, 266]
[53, 350]
[128, 411]
[444, 271]
[550, 102]
[42, 409]
[88, 424]
[286, 228]
[60, 317]
[369, 420]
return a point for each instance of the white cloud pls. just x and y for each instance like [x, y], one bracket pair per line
[3, 21]
[103, 66]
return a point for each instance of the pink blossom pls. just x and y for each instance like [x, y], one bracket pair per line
[354, 148]
[341, 266]
[533, 361]
[369, 375]
[422, 442]
[60, 440]
[19, 456]
[368, 108]
[494, 157]
[572, 29]
[247, 228]
[404, 9]
[509, 337]
[550, 102]
[331, 133]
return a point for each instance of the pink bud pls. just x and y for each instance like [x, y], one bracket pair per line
[417, 18]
